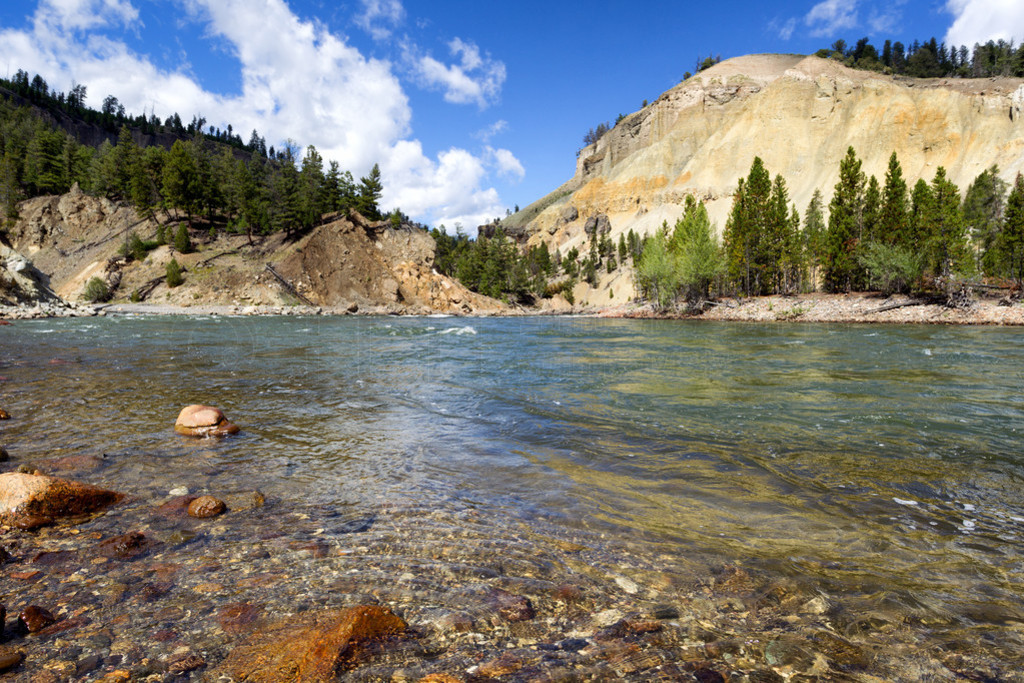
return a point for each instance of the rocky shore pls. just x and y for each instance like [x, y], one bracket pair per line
[840, 308]
[808, 308]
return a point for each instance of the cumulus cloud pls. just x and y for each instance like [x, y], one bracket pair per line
[379, 17]
[298, 80]
[979, 21]
[830, 16]
[475, 78]
[422, 185]
[506, 163]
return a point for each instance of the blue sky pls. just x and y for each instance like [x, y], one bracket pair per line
[470, 108]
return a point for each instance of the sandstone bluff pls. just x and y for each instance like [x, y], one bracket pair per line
[799, 114]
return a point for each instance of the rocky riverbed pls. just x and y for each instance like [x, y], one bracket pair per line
[148, 590]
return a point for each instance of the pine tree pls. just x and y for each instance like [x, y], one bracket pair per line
[949, 248]
[871, 214]
[893, 220]
[984, 203]
[312, 204]
[182, 241]
[370, 189]
[1012, 237]
[843, 220]
[181, 179]
[814, 236]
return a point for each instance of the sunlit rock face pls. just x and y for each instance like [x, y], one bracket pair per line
[799, 114]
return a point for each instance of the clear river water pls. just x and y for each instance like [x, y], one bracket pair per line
[867, 481]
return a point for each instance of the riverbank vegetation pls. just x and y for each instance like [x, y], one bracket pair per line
[876, 235]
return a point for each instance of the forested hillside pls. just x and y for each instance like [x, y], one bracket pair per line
[197, 173]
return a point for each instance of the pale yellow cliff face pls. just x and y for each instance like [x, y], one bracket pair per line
[799, 114]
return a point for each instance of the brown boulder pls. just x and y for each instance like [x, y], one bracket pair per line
[199, 420]
[205, 506]
[37, 495]
[307, 649]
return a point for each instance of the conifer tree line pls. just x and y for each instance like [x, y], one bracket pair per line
[876, 235]
[931, 59]
[243, 188]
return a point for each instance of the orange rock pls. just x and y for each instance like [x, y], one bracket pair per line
[37, 495]
[4, 415]
[439, 678]
[199, 420]
[307, 649]
[206, 506]
[504, 665]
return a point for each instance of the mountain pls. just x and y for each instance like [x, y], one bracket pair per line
[799, 114]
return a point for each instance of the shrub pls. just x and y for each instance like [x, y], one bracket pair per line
[174, 273]
[161, 235]
[182, 242]
[96, 291]
[890, 268]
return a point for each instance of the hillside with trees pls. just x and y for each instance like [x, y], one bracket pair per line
[204, 176]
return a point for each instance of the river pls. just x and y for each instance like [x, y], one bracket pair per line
[764, 481]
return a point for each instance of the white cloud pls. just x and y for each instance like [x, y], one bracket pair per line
[979, 21]
[85, 14]
[449, 189]
[506, 163]
[830, 16]
[485, 135]
[784, 29]
[298, 80]
[475, 78]
[379, 17]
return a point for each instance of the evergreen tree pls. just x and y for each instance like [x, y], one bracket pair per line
[370, 189]
[181, 180]
[984, 203]
[43, 168]
[9, 189]
[123, 161]
[1012, 237]
[312, 194]
[746, 231]
[893, 220]
[840, 264]
[182, 241]
[814, 236]
[948, 248]
[870, 216]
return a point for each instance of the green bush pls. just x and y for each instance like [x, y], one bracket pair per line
[182, 242]
[174, 277]
[890, 268]
[161, 235]
[96, 291]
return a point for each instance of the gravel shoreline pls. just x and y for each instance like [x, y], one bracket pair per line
[808, 308]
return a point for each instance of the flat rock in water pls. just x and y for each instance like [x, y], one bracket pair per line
[37, 495]
[309, 648]
[200, 420]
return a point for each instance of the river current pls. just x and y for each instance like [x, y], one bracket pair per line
[877, 468]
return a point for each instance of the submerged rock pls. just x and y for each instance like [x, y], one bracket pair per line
[9, 660]
[206, 506]
[35, 618]
[201, 421]
[37, 495]
[4, 455]
[307, 649]
[4, 415]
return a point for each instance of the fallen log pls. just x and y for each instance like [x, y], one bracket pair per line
[894, 306]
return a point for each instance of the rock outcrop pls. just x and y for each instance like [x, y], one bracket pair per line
[36, 495]
[348, 263]
[799, 114]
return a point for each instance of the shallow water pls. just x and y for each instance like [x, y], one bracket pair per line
[416, 459]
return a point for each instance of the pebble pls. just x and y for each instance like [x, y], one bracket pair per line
[4, 415]
[179, 491]
[4, 455]
[9, 660]
[665, 612]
